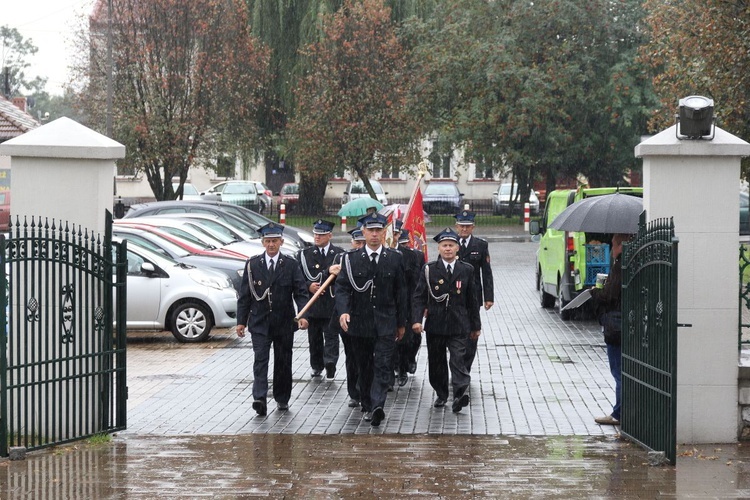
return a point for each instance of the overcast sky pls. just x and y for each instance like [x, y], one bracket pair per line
[50, 25]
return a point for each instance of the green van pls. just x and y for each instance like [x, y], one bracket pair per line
[568, 262]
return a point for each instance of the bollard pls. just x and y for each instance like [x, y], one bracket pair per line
[526, 217]
[343, 224]
[282, 214]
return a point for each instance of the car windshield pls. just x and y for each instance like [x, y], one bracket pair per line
[186, 188]
[159, 245]
[242, 212]
[505, 189]
[441, 190]
[359, 188]
[244, 188]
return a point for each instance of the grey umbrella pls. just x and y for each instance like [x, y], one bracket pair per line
[609, 213]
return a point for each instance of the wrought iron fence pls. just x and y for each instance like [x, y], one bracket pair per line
[743, 327]
[64, 358]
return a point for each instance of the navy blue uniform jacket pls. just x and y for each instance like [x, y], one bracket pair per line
[317, 267]
[478, 255]
[378, 311]
[459, 314]
[275, 311]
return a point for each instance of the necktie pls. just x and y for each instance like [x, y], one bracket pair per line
[373, 263]
[450, 271]
[323, 252]
[463, 243]
[271, 268]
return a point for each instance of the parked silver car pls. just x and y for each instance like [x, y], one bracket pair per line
[243, 193]
[166, 295]
[507, 192]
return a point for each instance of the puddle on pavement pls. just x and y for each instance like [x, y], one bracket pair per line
[383, 466]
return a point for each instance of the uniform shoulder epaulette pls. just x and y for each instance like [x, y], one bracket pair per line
[478, 238]
[257, 257]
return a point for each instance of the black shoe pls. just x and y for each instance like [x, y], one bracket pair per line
[403, 378]
[377, 416]
[413, 367]
[282, 406]
[367, 416]
[259, 405]
[317, 373]
[460, 402]
[353, 403]
[439, 403]
[330, 370]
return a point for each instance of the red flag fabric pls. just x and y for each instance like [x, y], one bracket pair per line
[414, 222]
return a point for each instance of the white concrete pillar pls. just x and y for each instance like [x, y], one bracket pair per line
[697, 183]
[64, 171]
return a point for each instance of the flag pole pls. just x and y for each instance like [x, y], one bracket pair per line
[422, 173]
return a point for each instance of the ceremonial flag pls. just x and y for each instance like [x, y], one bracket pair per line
[414, 222]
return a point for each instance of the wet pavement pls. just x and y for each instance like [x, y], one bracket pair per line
[537, 385]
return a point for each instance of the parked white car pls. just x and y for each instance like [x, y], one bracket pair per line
[356, 189]
[166, 295]
[189, 192]
[505, 193]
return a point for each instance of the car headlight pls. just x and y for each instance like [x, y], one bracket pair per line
[212, 281]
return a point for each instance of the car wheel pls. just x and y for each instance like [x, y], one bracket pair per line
[191, 322]
[545, 299]
[561, 302]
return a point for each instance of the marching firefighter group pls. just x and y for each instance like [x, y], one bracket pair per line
[378, 300]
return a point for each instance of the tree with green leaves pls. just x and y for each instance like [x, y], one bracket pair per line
[536, 87]
[699, 48]
[14, 53]
[352, 103]
[187, 83]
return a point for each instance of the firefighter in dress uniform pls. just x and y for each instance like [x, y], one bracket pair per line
[317, 264]
[270, 288]
[371, 301]
[475, 251]
[446, 290]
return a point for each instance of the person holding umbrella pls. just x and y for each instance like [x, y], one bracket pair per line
[608, 307]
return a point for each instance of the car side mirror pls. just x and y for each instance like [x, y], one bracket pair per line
[534, 227]
[460, 194]
[147, 267]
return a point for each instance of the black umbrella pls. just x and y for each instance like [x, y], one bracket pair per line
[610, 213]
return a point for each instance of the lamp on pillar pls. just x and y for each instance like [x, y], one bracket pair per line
[695, 118]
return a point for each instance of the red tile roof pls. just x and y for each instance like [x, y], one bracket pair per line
[13, 121]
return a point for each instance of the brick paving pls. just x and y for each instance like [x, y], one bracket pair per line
[534, 375]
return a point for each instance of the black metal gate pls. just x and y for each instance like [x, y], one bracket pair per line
[649, 337]
[62, 360]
